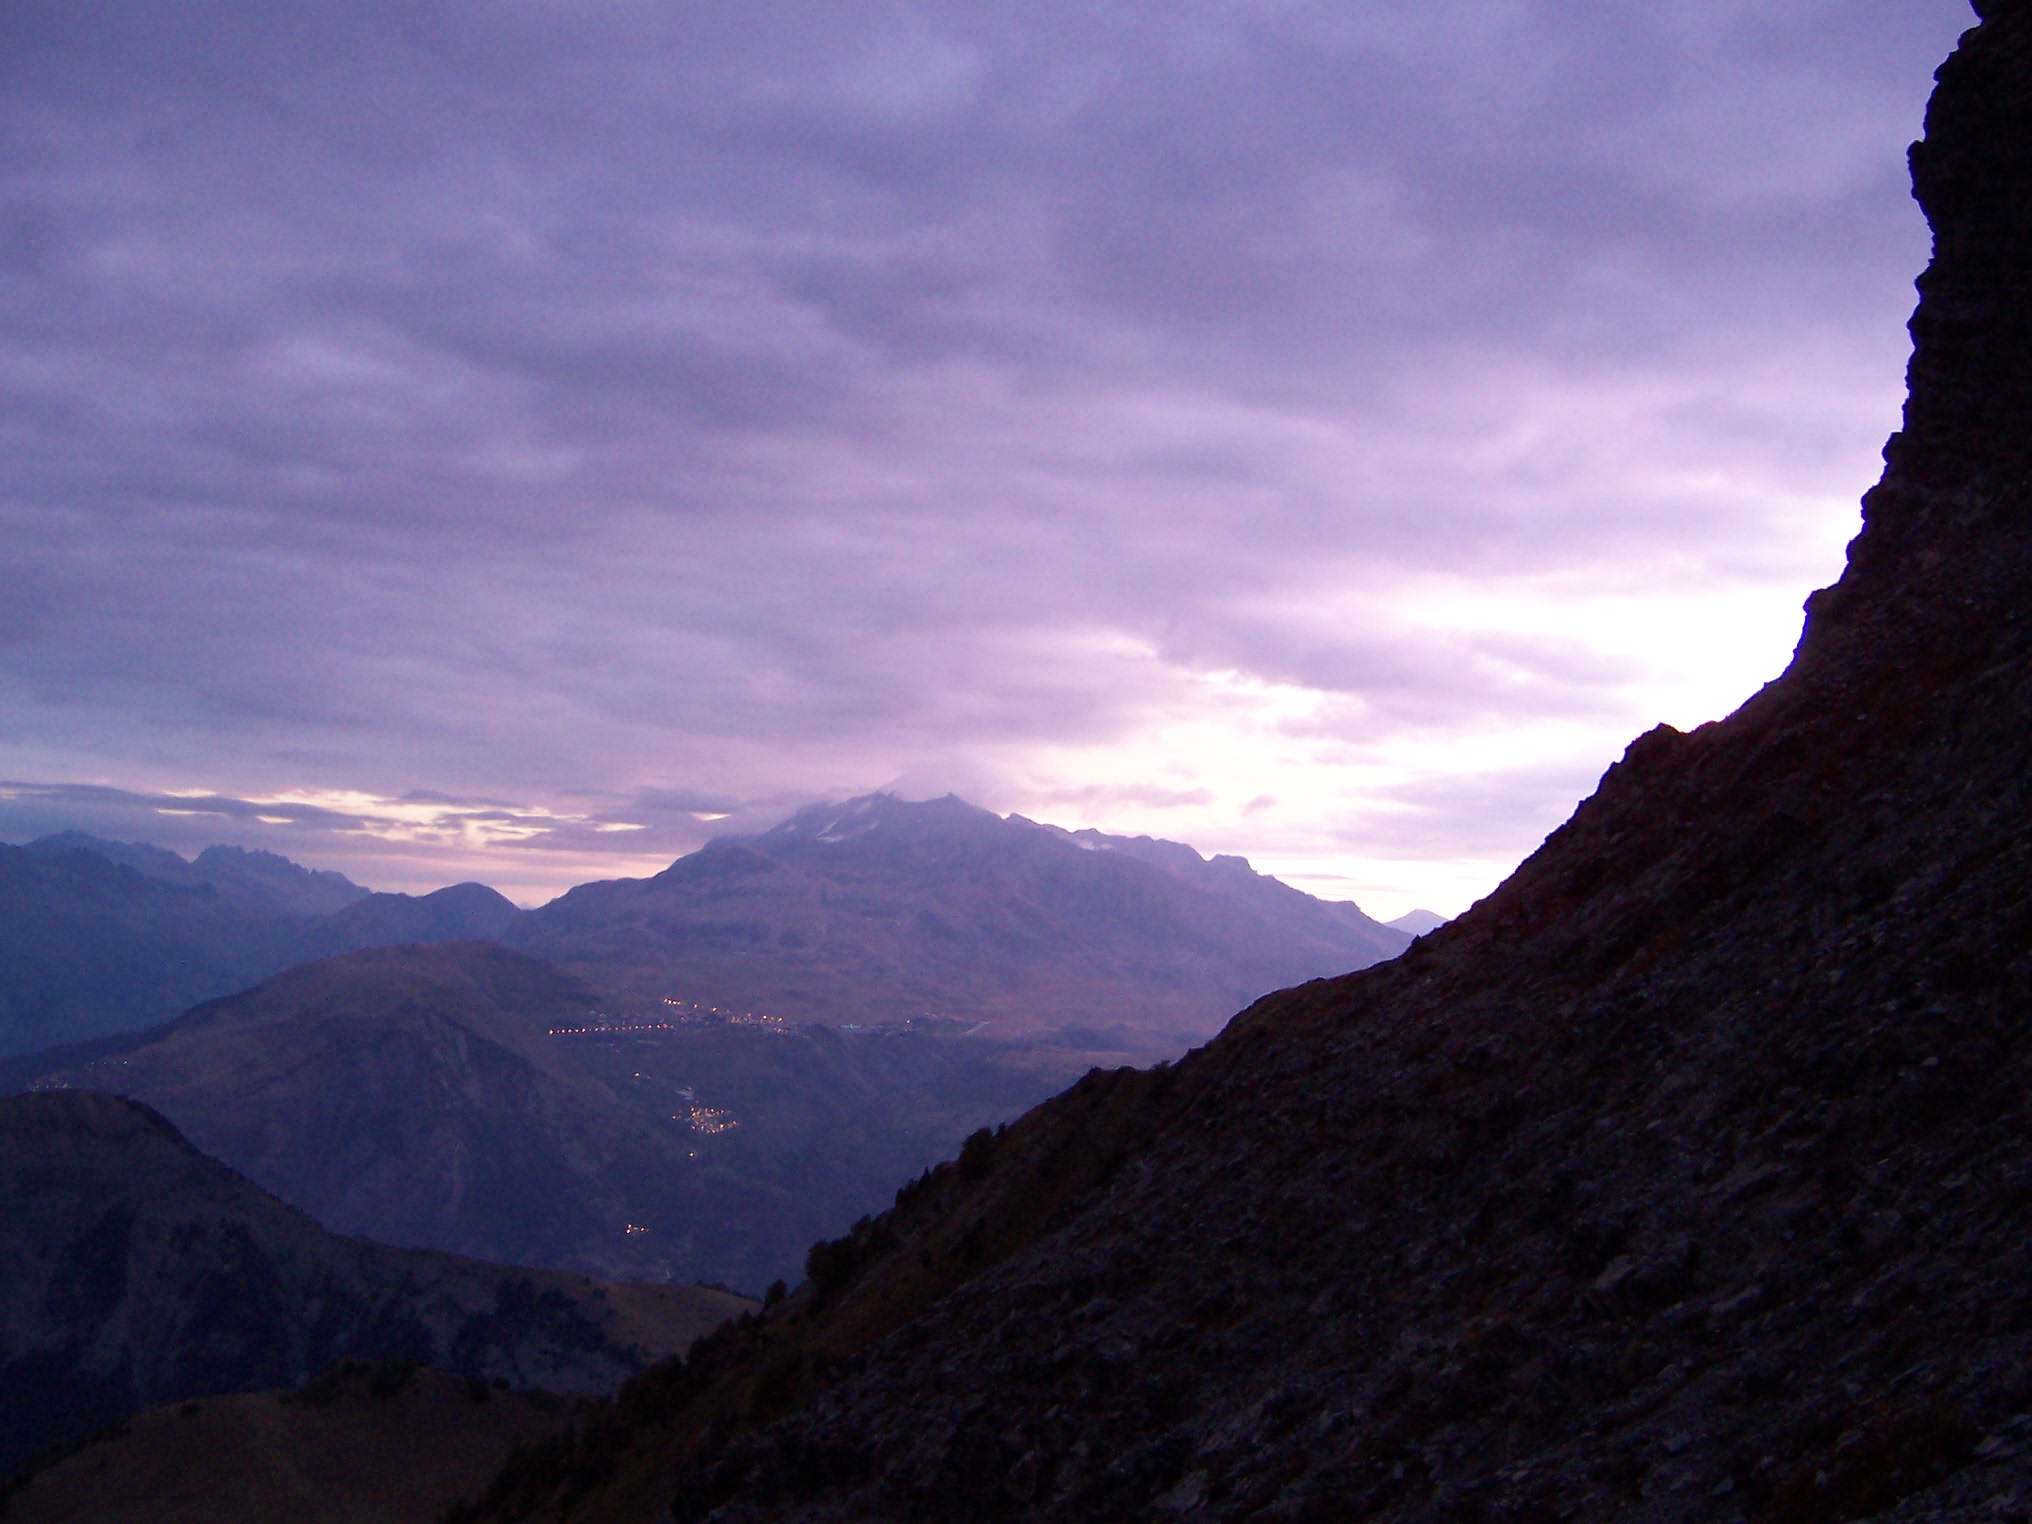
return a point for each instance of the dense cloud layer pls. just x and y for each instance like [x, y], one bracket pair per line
[1314, 430]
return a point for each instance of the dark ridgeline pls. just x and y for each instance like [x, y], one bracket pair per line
[259, 880]
[1685, 1178]
[135, 1271]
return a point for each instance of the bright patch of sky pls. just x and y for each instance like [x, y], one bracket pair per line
[517, 442]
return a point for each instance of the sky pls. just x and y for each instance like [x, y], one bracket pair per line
[520, 441]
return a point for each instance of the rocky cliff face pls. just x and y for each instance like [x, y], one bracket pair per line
[135, 1271]
[1684, 1178]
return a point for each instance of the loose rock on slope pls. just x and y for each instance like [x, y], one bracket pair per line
[1684, 1178]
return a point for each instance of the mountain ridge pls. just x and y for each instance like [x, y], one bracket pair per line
[873, 909]
[113, 937]
[266, 880]
[98, 938]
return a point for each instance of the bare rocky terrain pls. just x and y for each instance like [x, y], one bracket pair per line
[1684, 1178]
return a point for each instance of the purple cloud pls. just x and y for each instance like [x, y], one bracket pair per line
[588, 406]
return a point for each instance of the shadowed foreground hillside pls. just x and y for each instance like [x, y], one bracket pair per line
[135, 1271]
[361, 1445]
[1685, 1178]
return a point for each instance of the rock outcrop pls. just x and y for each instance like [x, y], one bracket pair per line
[1684, 1178]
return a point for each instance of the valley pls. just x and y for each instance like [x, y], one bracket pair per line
[468, 1098]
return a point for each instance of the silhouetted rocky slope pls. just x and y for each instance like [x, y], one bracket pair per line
[1685, 1178]
[135, 1271]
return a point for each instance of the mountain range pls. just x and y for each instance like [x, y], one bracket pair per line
[641, 1111]
[99, 938]
[259, 880]
[869, 911]
[878, 909]
[1682, 1179]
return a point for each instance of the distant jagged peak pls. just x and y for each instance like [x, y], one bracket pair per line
[889, 835]
[261, 858]
[836, 821]
[1418, 922]
[830, 822]
[143, 857]
[833, 821]
[267, 879]
[1177, 856]
[885, 815]
[306, 891]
